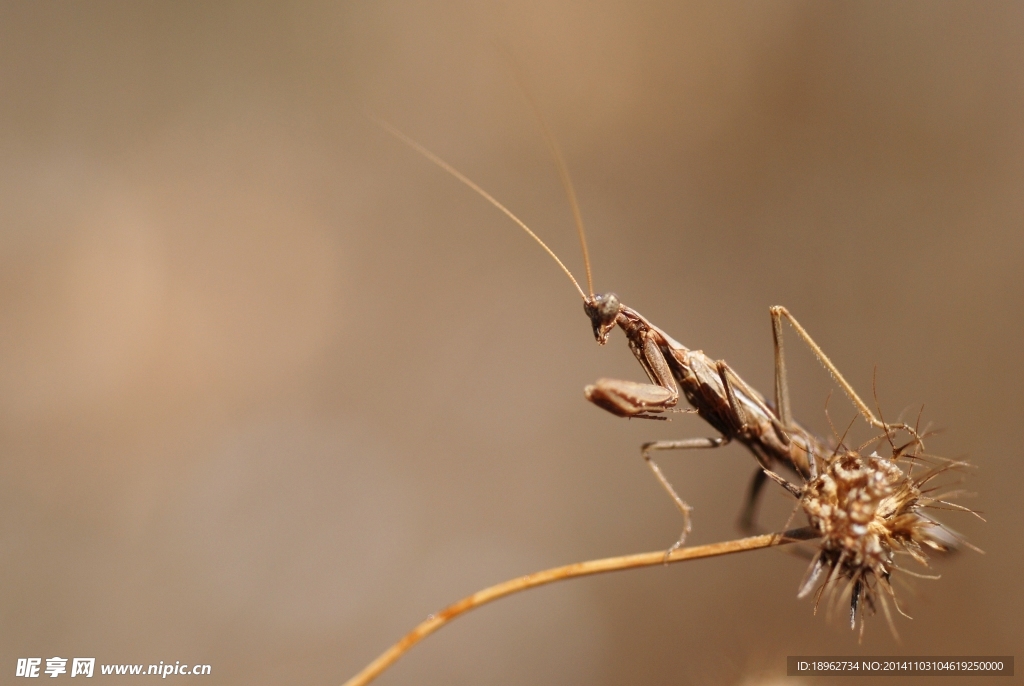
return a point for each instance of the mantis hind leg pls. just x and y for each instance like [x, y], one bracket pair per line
[747, 522]
[782, 389]
[748, 517]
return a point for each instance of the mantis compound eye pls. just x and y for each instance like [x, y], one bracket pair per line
[602, 310]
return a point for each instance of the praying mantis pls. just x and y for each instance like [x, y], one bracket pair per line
[715, 392]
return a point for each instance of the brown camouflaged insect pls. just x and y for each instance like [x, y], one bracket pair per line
[715, 392]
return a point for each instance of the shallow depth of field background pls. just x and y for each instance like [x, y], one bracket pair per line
[273, 387]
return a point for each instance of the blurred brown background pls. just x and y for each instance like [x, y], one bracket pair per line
[273, 387]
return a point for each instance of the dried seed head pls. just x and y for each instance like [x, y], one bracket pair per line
[868, 511]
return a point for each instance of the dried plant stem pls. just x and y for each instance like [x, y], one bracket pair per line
[523, 583]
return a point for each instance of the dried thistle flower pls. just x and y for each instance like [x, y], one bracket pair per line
[868, 512]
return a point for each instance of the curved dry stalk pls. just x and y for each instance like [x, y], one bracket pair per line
[577, 569]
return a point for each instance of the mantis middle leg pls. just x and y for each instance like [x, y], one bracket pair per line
[686, 444]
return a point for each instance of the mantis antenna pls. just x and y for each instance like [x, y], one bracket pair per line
[563, 174]
[488, 197]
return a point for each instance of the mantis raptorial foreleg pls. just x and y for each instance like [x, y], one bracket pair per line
[632, 399]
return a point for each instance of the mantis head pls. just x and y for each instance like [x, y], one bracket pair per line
[603, 309]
